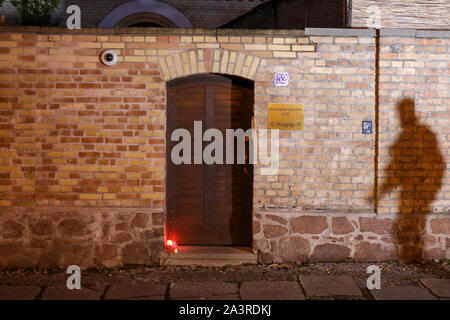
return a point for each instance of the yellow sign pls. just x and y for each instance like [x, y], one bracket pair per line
[285, 116]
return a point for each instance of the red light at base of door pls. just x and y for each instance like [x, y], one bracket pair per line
[171, 246]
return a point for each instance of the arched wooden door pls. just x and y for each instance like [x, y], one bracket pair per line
[209, 204]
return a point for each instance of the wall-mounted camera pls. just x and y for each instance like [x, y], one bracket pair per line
[109, 57]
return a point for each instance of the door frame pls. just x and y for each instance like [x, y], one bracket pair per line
[168, 196]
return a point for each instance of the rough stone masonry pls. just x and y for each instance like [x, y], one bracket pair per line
[82, 145]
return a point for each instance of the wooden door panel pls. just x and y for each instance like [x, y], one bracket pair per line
[209, 204]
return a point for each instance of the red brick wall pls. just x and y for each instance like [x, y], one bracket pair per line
[78, 133]
[18, 117]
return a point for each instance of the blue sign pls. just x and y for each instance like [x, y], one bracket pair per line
[281, 79]
[367, 127]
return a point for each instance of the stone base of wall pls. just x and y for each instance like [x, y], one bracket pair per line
[112, 237]
[87, 237]
[280, 236]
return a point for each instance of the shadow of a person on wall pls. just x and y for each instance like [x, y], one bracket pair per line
[417, 167]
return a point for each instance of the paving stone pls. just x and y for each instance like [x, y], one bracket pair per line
[440, 287]
[147, 298]
[131, 291]
[62, 293]
[221, 297]
[224, 297]
[329, 286]
[271, 290]
[18, 292]
[205, 289]
[402, 293]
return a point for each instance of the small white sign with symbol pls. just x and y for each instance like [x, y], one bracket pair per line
[281, 79]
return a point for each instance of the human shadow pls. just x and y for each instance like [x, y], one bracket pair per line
[417, 168]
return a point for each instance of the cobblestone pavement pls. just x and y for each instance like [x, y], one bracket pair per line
[338, 281]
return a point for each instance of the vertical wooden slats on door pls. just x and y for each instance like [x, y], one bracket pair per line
[209, 204]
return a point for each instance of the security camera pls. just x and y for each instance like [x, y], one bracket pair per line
[109, 57]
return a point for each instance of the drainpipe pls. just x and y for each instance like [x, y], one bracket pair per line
[377, 117]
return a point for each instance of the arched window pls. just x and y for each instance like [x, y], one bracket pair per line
[145, 13]
[145, 19]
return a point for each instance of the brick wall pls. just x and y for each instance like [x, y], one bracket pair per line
[82, 146]
[329, 165]
[73, 123]
[417, 68]
[420, 14]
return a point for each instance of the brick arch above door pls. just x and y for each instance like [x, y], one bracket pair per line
[191, 62]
